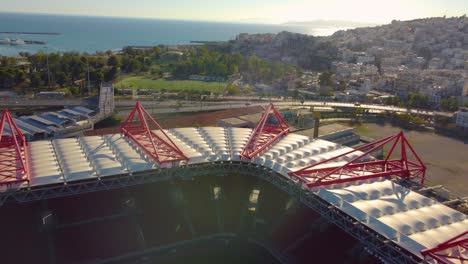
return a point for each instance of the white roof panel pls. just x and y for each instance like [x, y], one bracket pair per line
[192, 138]
[43, 164]
[132, 158]
[72, 160]
[217, 140]
[400, 214]
[238, 138]
[191, 153]
[101, 156]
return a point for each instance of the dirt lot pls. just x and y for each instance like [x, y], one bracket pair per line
[446, 158]
[173, 120]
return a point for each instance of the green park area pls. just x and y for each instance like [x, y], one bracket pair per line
[147, 82]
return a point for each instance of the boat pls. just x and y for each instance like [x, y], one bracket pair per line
[17, 42]
[5, 41]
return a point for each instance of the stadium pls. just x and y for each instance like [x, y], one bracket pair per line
[206, 194]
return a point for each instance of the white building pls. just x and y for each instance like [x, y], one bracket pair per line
[366, 86]
[365, 59]
[462, 117]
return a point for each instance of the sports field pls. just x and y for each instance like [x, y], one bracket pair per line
[146, 82]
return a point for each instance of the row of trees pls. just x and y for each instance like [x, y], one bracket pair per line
[201, 61]
[41, 71]
[10, 74]
[416, 100]
[56, 70]
[449, 104]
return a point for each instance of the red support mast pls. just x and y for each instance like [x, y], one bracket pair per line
[264, 135]
[157, 145]
[13, 153]
[364, 167]
[454, 250]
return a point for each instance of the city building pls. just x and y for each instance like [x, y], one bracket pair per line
[462, 118]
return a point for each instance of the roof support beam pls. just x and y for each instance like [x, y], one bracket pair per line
[13, 153]
[157, 145]
[265, 134]
[452, 251]
[364, 167]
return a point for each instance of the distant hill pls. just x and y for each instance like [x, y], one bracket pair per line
[425, 37]
[331, 23]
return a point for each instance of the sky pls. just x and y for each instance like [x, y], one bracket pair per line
[265, 11]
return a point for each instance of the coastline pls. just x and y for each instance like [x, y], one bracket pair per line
[78, 33]
[30, 33]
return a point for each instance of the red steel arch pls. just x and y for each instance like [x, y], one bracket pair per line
[264, 135]
[454, 250]
[13, 152]
[360, 168]
[158, 146]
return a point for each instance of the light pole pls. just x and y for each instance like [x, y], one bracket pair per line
[89, 82]
[47, 64]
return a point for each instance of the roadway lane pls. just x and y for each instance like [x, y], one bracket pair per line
[191, 106]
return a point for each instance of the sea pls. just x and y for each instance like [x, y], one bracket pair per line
[91, 34]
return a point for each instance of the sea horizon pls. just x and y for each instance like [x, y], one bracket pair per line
[91, 34]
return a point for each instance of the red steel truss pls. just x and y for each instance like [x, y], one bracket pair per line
[13, 153]
[157, 145]
[264, 135]
[454, 250]
[364, 167]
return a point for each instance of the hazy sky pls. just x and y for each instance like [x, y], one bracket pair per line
[276, 11]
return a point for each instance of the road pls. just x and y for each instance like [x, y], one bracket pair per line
[378, 107]
[167, 107]
[213, 105]
[234, 103]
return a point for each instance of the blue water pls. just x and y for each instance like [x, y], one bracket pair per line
[91, 34]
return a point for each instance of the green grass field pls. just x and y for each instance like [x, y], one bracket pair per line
[144, 82]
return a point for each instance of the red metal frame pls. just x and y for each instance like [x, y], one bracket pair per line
[159, 147]
[264, 135]
[13, 153]
[455, 249]
[362, 167]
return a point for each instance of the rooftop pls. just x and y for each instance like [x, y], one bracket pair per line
[325, 130]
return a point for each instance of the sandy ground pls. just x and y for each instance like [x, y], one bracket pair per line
[446, 158]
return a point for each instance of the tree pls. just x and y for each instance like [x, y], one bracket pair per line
[131, 65]
[62, 79]
[357, 114]
[392, 100]
[233, 89]
[157, 73]
[74, 90]
[110, 74]
[7, 77]
[295, 94]
[20, 76]
[325, 91]
[36, 80]
[247, 89]
[98, 78]
[114, 61]
[449, 104]
[417, 100]
[325, 78]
